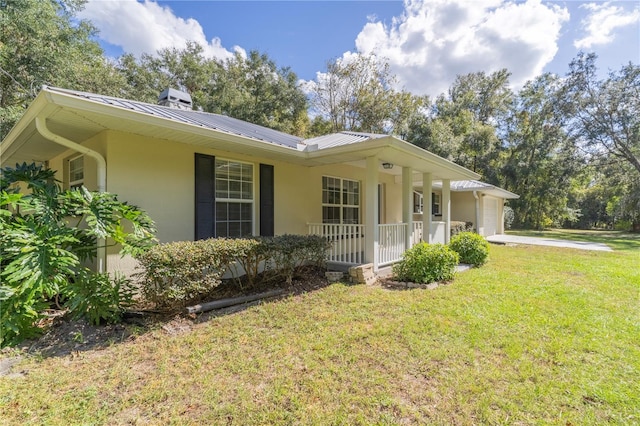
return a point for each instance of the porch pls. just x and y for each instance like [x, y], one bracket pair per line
[349, 242]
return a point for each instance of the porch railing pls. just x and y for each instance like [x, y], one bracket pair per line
[347, 241]
[392, 242]
[416, 235]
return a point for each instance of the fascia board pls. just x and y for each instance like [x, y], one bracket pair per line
[10, 143]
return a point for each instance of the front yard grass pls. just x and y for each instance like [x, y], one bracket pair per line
[538, 335]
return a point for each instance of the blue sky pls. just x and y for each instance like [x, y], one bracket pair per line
[427, 43]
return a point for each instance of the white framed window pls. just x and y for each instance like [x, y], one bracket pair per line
[435, 204]
[340, 200]
[418, 202]
[234, 198]
[76, 172]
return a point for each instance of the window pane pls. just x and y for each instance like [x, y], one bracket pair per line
[247, 191]
[350, 215]
[234, 211]
[246, 228]
[330, 214]
[221, 212]
[245, 211]
[235, 190]
[234, 230]
[221, 229]
[76, 169]
[222, 188]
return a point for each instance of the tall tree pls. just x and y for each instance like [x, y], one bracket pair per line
[606, 113]
[463, 126]
[540, 164]
[254, 89]
[43, 42]
[359, 94]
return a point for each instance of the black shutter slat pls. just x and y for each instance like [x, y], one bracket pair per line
[266, 200]
[205, 185]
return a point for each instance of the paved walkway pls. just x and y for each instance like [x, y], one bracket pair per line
[540, 241]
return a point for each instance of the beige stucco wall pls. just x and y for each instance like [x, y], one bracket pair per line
[463, 207]
[158, 176]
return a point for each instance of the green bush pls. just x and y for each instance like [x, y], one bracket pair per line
[472, 248]
[46, 235]
[425, 263]
[174, 274]
[288, 253]
[98, 297]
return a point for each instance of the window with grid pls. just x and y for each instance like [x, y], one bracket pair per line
[340, 200]
[76, 172]
[234, 198]
[435, 204]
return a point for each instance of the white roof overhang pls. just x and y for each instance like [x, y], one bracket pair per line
[78, 119]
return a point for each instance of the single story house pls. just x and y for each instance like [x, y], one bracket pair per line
[202, 175]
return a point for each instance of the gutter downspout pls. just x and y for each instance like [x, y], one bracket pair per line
[41, 125]
[475, 195]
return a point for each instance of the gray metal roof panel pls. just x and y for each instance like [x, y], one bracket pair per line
[197, 118]
[342, 138]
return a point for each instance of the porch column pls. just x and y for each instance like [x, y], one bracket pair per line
[427, 188]
[371, 238]
[446, 208]
[407, 203]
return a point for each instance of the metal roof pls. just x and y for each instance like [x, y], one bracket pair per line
[476, 185]
[197, 118]
[339, 139]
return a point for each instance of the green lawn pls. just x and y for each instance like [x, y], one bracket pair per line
[537, 336]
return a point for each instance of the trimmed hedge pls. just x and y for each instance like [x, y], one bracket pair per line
[472, 248]
[176, 274]
[425, 263]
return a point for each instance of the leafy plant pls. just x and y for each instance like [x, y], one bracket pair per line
[98, 297]
[46, 236]
[425, 263]
[471, 247]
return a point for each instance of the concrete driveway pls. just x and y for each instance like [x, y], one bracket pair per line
[541, 241]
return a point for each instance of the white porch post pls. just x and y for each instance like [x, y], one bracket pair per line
[446, 208]
[407, 204]
[427, 188]
[371, 212]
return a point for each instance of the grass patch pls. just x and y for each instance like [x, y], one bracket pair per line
[537, 335]
[617, 240]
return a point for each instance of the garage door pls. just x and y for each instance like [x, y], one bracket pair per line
[490, 216]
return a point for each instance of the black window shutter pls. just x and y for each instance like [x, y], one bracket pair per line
[266, 201]
[205, 208]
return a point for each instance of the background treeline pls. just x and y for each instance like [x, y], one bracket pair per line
[568, 145]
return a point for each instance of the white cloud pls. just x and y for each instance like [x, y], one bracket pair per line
[601, 23]
[435, 40]
[148, 27]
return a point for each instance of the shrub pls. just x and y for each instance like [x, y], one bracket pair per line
[45, 236]
[509, 217]
[99, 297]
[175, 274]
[425, 263]
[458, 227]
[288, 253]
[472, 248]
